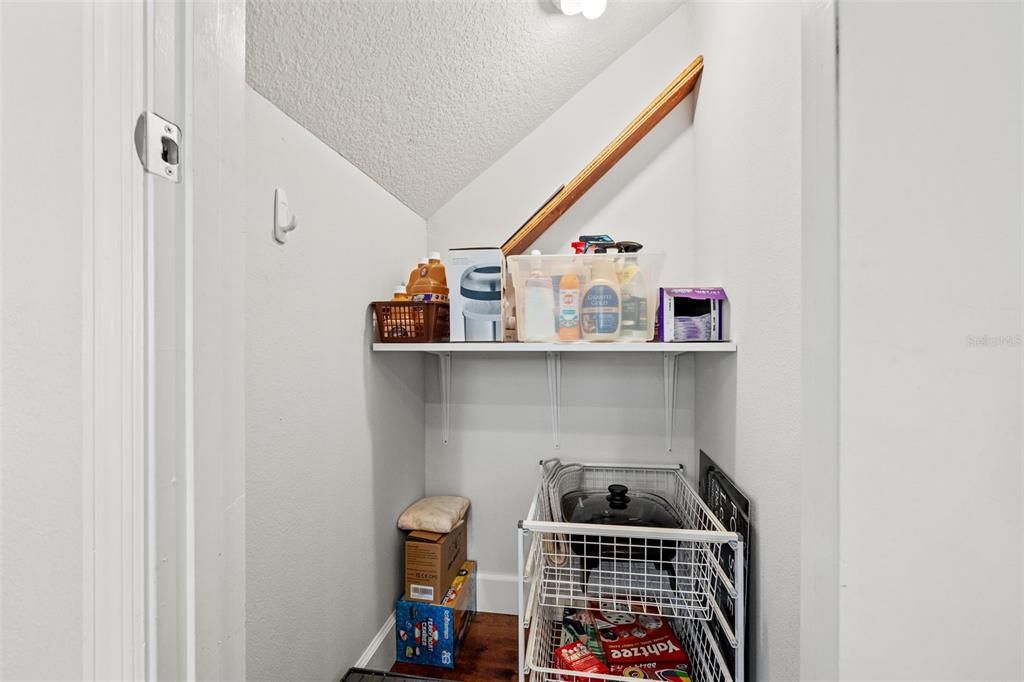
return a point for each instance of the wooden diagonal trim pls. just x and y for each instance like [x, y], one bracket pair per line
[557, 205]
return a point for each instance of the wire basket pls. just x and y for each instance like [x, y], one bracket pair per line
[674, 570]
[411, 321]
[706, 661]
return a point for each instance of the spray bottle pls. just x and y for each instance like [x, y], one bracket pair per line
[633, 287]
[601, 309]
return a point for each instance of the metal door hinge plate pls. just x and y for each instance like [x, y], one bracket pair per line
[158, 144]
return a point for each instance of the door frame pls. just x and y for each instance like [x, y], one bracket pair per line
[115, 434]
[819, 457]
[145, 617]
[214, 155]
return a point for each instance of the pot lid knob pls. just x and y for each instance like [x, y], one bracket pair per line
[617, 498]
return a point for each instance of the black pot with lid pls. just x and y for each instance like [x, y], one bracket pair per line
[620, 507]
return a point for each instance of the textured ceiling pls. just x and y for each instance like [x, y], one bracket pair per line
[423, 95]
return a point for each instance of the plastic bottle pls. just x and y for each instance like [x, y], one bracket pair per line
[437, 272]
[635, 315]
[415, 274]
[401, 294]
[426, 289]
[537, 319]
[601, 310]
[569, 307]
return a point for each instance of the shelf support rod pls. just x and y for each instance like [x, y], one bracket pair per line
[554, 362]
[444, 367]
[669, 381]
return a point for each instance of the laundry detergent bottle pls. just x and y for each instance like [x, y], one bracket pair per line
[415, 274]
[601, 306]
[426, 288]
[437, 272]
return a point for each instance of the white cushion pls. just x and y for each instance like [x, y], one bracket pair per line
[437, 514]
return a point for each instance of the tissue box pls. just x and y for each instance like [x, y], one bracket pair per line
[430, 634]
[692, 314]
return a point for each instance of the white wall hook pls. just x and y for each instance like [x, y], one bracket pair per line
[284, 221]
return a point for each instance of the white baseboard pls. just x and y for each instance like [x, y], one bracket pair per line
[496, 593]
[380, 652]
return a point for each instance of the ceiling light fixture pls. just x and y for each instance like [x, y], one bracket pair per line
[568, 7]
[592, 9]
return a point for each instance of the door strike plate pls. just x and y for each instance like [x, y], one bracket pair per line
[158, 144]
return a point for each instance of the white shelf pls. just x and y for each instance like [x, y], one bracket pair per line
[675, 348]
[670, 352]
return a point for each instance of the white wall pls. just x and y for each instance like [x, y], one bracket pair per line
[748, 221]
[819, 313]
[500, 416]
[334, 432]
[41, 368]
[930, 227]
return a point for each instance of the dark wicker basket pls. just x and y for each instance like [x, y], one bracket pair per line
[411, 321]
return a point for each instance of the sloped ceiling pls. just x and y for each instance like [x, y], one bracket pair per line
[423, 95]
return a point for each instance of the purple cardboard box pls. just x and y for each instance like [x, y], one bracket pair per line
[692, 314]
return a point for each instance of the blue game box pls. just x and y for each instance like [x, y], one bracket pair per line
[430, 634]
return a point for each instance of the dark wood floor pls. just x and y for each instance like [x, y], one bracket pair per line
[488, 654]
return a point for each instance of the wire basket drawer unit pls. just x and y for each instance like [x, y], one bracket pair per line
[675, 571]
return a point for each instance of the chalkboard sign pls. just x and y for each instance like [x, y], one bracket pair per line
[733, 509]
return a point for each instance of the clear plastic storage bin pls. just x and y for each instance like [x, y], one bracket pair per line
[577, 298]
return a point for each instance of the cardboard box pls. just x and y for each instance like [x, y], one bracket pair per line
[692, 314]
[431, 562]
[431, 634]
[476, 280]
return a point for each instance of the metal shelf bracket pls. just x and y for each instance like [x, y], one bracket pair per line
[554, 364]
[553, 359]
[669, 381]
[444, 371]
